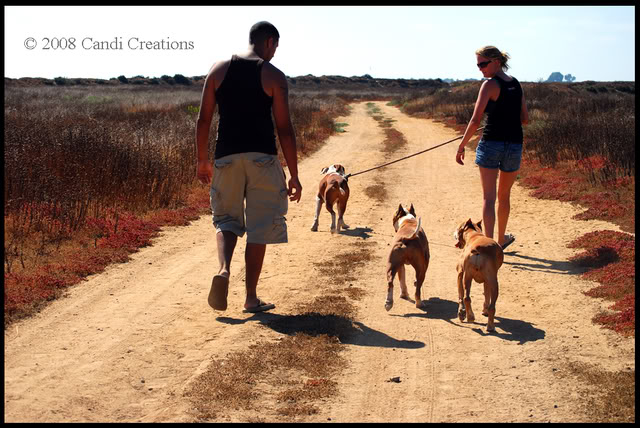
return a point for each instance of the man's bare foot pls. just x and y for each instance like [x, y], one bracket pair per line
[219, 291]
[258, 306]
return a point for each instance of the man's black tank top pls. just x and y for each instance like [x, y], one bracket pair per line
[245, 123]
[503, 115]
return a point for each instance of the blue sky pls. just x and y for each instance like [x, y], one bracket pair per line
[411, 42]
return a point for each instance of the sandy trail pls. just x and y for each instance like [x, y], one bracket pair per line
[124, 345]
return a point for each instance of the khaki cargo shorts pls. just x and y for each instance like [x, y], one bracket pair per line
[249, 193]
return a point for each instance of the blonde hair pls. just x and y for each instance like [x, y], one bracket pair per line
[493, 52]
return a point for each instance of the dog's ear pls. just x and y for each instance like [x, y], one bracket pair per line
[458, 236]
[400, 209]
[340, 169]
[324, 170]
[469, 223]
[412, 210]
[479, 224]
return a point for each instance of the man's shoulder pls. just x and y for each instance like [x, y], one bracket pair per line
[273, 73]
[219, 69]
[224, 64]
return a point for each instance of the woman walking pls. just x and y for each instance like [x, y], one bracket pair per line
[499, 151]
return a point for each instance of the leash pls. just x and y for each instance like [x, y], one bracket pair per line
[407, 157]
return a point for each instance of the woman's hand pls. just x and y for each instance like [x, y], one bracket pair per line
[460, 156]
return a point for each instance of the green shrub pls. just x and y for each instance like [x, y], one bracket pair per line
[181, 80]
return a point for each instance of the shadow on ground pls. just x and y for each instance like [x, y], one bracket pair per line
[544, 265]
[507, 329]
[360, 232]
[315, 324]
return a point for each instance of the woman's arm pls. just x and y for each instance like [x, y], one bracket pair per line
[489, 90]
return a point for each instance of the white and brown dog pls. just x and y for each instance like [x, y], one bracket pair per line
[333, 189]
[480, 260]
[409, 247]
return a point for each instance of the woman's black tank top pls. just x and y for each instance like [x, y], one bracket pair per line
[503, 115]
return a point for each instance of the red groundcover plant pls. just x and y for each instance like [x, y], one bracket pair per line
[610, 259]
[112, 242]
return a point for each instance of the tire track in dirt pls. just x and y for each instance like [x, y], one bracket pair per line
[408, 351]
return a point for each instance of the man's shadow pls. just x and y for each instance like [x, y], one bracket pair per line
[316, 324]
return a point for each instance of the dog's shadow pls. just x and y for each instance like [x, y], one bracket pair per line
[360, 232]
[315, 324]
[507, 329]
[433, 308]
[514, 331]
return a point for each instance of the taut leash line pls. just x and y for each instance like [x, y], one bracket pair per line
[407, 157]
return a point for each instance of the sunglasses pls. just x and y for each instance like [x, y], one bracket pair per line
[483, 64]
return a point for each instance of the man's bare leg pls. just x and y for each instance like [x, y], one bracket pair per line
[253, 257]
[226, 244]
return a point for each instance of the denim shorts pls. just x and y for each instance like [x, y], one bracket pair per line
[499, 154]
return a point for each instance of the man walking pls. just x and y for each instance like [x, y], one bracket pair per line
[247, 88]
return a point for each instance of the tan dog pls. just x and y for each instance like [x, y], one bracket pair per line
[333, 189]
[409, 247]
[480, 260]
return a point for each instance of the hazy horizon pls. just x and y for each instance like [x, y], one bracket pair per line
[313, 75]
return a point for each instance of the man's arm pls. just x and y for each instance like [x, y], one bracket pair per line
[285, 132]
[204, 170]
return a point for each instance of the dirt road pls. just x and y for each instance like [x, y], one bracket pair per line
[125, 344]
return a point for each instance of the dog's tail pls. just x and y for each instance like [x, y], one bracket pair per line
[342, 192]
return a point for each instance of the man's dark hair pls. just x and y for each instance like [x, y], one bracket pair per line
[262, 31]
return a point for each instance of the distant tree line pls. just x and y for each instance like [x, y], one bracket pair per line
[556, 76]
[136, 80]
